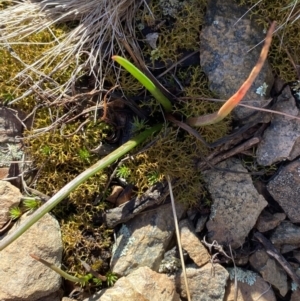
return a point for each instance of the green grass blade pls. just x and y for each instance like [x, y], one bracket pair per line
[145, 81]
[64, 192]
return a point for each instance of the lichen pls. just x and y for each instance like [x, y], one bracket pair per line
[123, 243]
[244, 276]
[262, 89]
[9, 152]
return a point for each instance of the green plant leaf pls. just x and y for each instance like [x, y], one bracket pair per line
[65, 191]
[145, 81]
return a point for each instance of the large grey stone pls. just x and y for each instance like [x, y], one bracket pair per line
[286, 146]
[143, 240]
[270, 270]
[236, 204]
[205, 284]
[285, 189]
[224, 54]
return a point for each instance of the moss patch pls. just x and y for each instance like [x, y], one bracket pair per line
[285, 44]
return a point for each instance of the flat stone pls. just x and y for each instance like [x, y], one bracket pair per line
[286, 233]
[203, 285]
[249, 288]
[142, 284]
[22, 277]
[270, 271]
[143, 240]
[286, 146]
[285, 189]
[10, 196]
[236, 204]
[191, 243]
[267, 221]
[224, 54]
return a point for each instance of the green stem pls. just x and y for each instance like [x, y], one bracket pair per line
[58, 270]
[64, 192]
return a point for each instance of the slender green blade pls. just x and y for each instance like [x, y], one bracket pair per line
[145, 81]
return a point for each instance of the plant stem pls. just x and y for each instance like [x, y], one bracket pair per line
[64, 192]
[58, 270]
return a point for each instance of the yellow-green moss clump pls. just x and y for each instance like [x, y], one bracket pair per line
[180, 27]
[285, 44]
[59, 156]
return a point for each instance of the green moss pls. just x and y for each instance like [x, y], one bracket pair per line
[83, 241]
[285, 45]
[180, 31]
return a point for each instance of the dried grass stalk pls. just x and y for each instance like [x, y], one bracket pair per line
[101, 26]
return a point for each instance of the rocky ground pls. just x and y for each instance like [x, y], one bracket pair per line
[257, 219]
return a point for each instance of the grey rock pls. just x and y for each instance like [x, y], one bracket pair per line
[236, 204]
[205, 284]
[286, 233]
[285, 189]
[144, 239]
[267, 221]
[286, 146]
[201, 223]
[10, 196]
[143, 284]
[224, 54]
[10, 126]
[22, 277]
[270, 271]
[191, 243]
[171, 262]
[250, 287]
[288, 248]
[10, 131]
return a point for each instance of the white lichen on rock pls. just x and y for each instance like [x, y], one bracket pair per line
[123, 242]
[10, 152]
[171, 263]
[244, 276]
[171, 7]
[262, 90]
[294, 286]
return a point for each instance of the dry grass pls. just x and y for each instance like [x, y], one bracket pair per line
[96, 29]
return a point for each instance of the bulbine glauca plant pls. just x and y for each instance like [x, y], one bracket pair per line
[227, 107]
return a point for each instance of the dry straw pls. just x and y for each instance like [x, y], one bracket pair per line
[99, 26]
